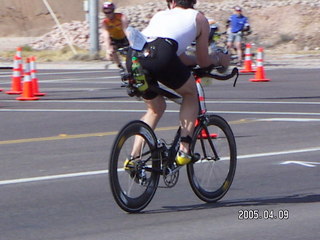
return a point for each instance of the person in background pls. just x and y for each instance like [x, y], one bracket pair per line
[237, 24]
[113, 26]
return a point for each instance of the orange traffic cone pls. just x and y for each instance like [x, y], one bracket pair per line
[27, 93]
[16, 87]
[34, 79]
[19, 59]
[248, 61]
[260, 75]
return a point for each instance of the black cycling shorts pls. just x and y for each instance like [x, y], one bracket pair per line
[162, 64]
[119, 43]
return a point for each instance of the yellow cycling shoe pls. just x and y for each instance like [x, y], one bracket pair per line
[125, 165]
[182, 158]
[128, 164]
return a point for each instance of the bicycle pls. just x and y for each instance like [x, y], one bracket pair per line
[134, 179]
[215, 44]
[122, 54]
[233, 50]
[123, 51]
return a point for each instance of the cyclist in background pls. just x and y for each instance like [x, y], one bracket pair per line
[113, 31]
[237, 24]
[168, 35]
[213, 28]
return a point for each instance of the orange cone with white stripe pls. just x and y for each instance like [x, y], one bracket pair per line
[260, 74]
[248, 61]
[34, 79]
[16, 87]
[19, 59]
[27, 93]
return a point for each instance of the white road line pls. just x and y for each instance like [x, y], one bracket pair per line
[268, 113]
[302, 163]
[62, 80]
[83, 80]
[287, 120]
[77, 110]
[168, 101]
[52, 177]
[76, 72]
[263, 102]
[279, 153]
[83, 101]
[8, 74]
[99, 172]
[172, 111]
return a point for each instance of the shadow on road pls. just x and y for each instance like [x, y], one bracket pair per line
[298, 198]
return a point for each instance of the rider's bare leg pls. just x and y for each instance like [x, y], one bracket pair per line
[115, 57]
[239, 51]
[232, 48]
[188, 114]
[155, 110]
[188, 111]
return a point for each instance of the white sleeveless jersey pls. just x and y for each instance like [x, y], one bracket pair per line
[177, 24]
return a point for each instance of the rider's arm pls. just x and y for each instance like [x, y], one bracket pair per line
[202, 56]
[246, 26]
[107, 41]
[125, 22]
[203, 29]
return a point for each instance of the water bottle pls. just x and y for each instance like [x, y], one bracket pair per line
[138, 75]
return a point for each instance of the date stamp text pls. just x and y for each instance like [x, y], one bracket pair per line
[258, 214]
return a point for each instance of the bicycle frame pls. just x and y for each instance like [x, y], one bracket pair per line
[201, 120]
[168, 154]
[198, 74]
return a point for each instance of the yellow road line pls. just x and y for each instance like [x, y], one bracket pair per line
[59, 137]
[66, 136]
[86, 135]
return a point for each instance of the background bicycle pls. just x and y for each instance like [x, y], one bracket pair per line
[122, 54]
[218, 43]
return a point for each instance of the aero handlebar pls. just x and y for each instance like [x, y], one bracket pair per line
[206, 72]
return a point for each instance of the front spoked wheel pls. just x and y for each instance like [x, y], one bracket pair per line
[134, 167]
[212, 174]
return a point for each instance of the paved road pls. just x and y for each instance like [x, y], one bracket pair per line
[54, 157]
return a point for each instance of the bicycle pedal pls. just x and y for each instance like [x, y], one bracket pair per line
[196, 157]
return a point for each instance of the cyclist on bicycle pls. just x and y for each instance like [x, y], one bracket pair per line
[237, 24]
[113, 31]
[168, 35]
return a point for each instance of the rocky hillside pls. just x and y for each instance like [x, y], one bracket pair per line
[282, 25]
[30, 18]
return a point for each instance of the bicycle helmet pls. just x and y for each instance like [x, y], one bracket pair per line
[237, 8]
[108, 7]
